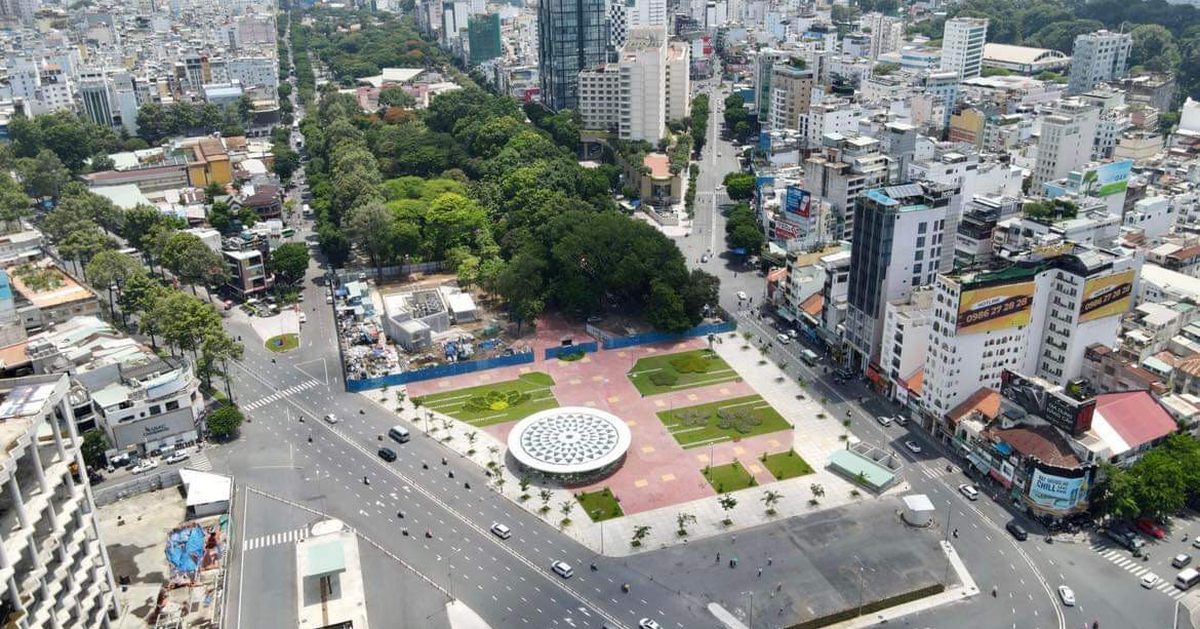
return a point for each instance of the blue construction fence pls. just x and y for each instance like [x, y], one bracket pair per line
[619, 342]
[441, 371]
[567, 350]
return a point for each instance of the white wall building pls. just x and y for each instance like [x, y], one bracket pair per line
[962, 46]
[1066, 141]
[1035, 317]
[1098, 57]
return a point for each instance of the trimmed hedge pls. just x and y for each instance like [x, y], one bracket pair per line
[870, 608]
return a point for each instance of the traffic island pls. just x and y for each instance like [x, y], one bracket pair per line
[283, 343]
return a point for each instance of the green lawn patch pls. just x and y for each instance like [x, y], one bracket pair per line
[700, 425]
[727, 478]
[600, 505]
[496, 403]
[684, 370]
[283, 343]
[785, 465]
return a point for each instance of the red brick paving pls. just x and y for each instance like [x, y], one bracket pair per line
[657, 471]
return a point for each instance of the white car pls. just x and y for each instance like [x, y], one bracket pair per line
[178, 457]
[884, 420]
[303, 318]
[1067, 596]
[741, 295]
[647, 623]
[331, 419]
[902, 420]
[913, 446]
[783, 339]
[329, 299]
[562, 569]
[969, 491]
[145, 466]
[719, 187]
[1149, 580]
[501, 531]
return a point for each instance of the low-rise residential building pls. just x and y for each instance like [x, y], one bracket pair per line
[46, 295]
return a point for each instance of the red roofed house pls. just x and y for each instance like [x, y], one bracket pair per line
[1126, 425]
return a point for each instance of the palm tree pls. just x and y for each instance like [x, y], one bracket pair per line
[565, 507]
[639, 533]
[769, 499]
[1090, 177]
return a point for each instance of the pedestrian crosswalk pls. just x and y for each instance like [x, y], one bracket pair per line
[275, 539]
[1138, 568]
[199, 461]
[935, 472]
[279, 395]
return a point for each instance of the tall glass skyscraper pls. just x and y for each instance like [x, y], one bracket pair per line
[572, 36]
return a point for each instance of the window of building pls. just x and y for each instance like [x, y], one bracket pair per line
[173, 405]
[155, 410]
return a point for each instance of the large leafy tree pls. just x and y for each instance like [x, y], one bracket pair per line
[288, 262]
[43, 175]
[224, 422]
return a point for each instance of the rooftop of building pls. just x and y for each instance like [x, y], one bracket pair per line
[984, 400]
[46, 286]
[1019, 54]
[1041, 442]
[659, 165]
[1125, 421]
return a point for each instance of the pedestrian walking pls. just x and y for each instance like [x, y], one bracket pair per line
[718, 557]
[955, 533]
[768, 560]
[760, 572]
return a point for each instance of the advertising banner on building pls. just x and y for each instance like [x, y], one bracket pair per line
[1057, 492]
[787, 230]
[1056, 407]
[1106, 296]
[995, 307]
[1104, 179]
[797, 205]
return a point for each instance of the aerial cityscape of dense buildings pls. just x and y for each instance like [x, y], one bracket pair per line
[665, 314]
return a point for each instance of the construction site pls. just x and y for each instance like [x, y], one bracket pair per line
[170, 559]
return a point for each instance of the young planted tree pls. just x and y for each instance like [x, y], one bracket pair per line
[545, 495]
[566, 507]
[640, 532]
[727, 503]
[769, 499]
[682, 520]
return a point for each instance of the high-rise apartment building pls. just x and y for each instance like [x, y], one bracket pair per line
[55, 569]
[679, 88]
[899, 236]
[97, 100]
[845, 168]
[791, 94]
[887, 33]
[572, 36]
[1098, 57]
[634, 96]
[1066, 141]
[1035, 317]
[962, 46]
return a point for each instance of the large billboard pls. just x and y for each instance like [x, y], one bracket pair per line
[1106, 296]
[1103, 179]
[1063, 411]
[797, 206]
[1057, 492]
[995, 307]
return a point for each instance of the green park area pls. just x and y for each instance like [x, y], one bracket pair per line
[497, 403]
[600, 505]
[785, 465]
[684, 370]
[694, 426]
[727, 478]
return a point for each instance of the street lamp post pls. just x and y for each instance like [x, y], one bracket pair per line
[750, 623]
[450, 571]
[946, 539]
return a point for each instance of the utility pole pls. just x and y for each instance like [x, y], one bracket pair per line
[946, 539]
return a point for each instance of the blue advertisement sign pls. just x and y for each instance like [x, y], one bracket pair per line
[798, 204]
[1055, 491]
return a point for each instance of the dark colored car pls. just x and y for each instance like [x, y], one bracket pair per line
[1017, 531]
[387, 454]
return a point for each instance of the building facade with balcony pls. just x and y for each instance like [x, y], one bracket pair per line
[154, 404]
[54, 569]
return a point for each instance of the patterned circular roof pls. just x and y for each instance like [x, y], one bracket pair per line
[569, 440]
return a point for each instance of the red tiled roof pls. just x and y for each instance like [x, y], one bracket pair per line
[1040, 442]
[985, 400]
[1135, 416]
[814, 304]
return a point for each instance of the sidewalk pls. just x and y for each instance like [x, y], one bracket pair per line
[814, 438]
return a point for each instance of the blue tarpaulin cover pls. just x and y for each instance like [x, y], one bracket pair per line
[185, 549]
